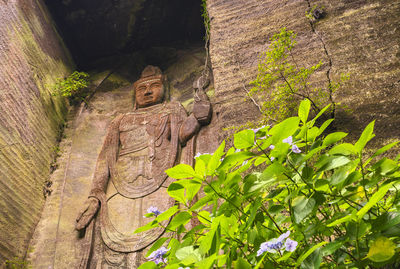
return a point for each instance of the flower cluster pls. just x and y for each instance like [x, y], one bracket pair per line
[158, 255]
[289, 140]
[154, 210]
[276, 244]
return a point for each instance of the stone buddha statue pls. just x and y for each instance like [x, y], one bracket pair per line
[129, 176]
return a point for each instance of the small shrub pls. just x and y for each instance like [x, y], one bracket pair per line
[282, 82]
[75, 86]
[316, 202]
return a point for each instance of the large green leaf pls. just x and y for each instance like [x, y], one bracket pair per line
[343, 149]
[188, 255]
[365, 137]
[200, 168]
[385, 166]
[309, 252]
[385, 148]
[181, 171]
[333, 138]
[204, 217]
[147, 227]
[215, 159]
[324, 126]
[201, 202]
[339, 175]
[312, 122]
[341, 220]
[304, 110]
[206, 241]
[313, 261]
[380, 151]
[177, 191]
[242, 264]
[172, 266]
[302, 208]
[244, 139]
[284, 129]
[374, 199]
[180, 219]
[156, 245]
[235, 159]
[207, 262]
[331, 247]
[148, 265]
[167, 214]
[191, 187]
[386, 221]
[331, 162]
[381, 250]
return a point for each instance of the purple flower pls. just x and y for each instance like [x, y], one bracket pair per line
[158, 255]
[271, 246]
[154, 210]
[295, 149]
[276, 244]
[272, 158]
[288, 140]
[271, 147]
[263, 248]
[284, 236]
[290, 245]
[184, 268]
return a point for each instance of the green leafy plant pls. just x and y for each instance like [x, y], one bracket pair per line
[206, 18]
[285, 196]
[17, 263]
[282, 83]
[75, 86]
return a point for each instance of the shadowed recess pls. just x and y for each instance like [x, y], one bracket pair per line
[100, 29]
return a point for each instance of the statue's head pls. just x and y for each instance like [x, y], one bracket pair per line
[149, 89]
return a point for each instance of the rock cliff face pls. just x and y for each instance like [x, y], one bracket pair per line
[357, 37]
[31, 58]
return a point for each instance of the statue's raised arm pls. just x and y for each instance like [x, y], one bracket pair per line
[201, 114]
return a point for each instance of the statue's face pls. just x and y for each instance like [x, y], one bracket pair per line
[149, 92]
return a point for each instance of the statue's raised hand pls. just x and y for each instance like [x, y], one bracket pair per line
[87, 213]
[202, 107]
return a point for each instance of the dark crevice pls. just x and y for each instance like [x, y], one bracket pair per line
[328, 72]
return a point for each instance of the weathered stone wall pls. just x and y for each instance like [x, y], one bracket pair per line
[359, 37]
[31, 58]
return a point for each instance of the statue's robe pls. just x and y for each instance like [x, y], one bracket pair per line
[129, 178]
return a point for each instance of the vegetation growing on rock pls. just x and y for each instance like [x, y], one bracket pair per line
[285, 196]
[74, 86]
[281, 82]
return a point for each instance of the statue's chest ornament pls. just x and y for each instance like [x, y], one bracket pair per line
[140, 132]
